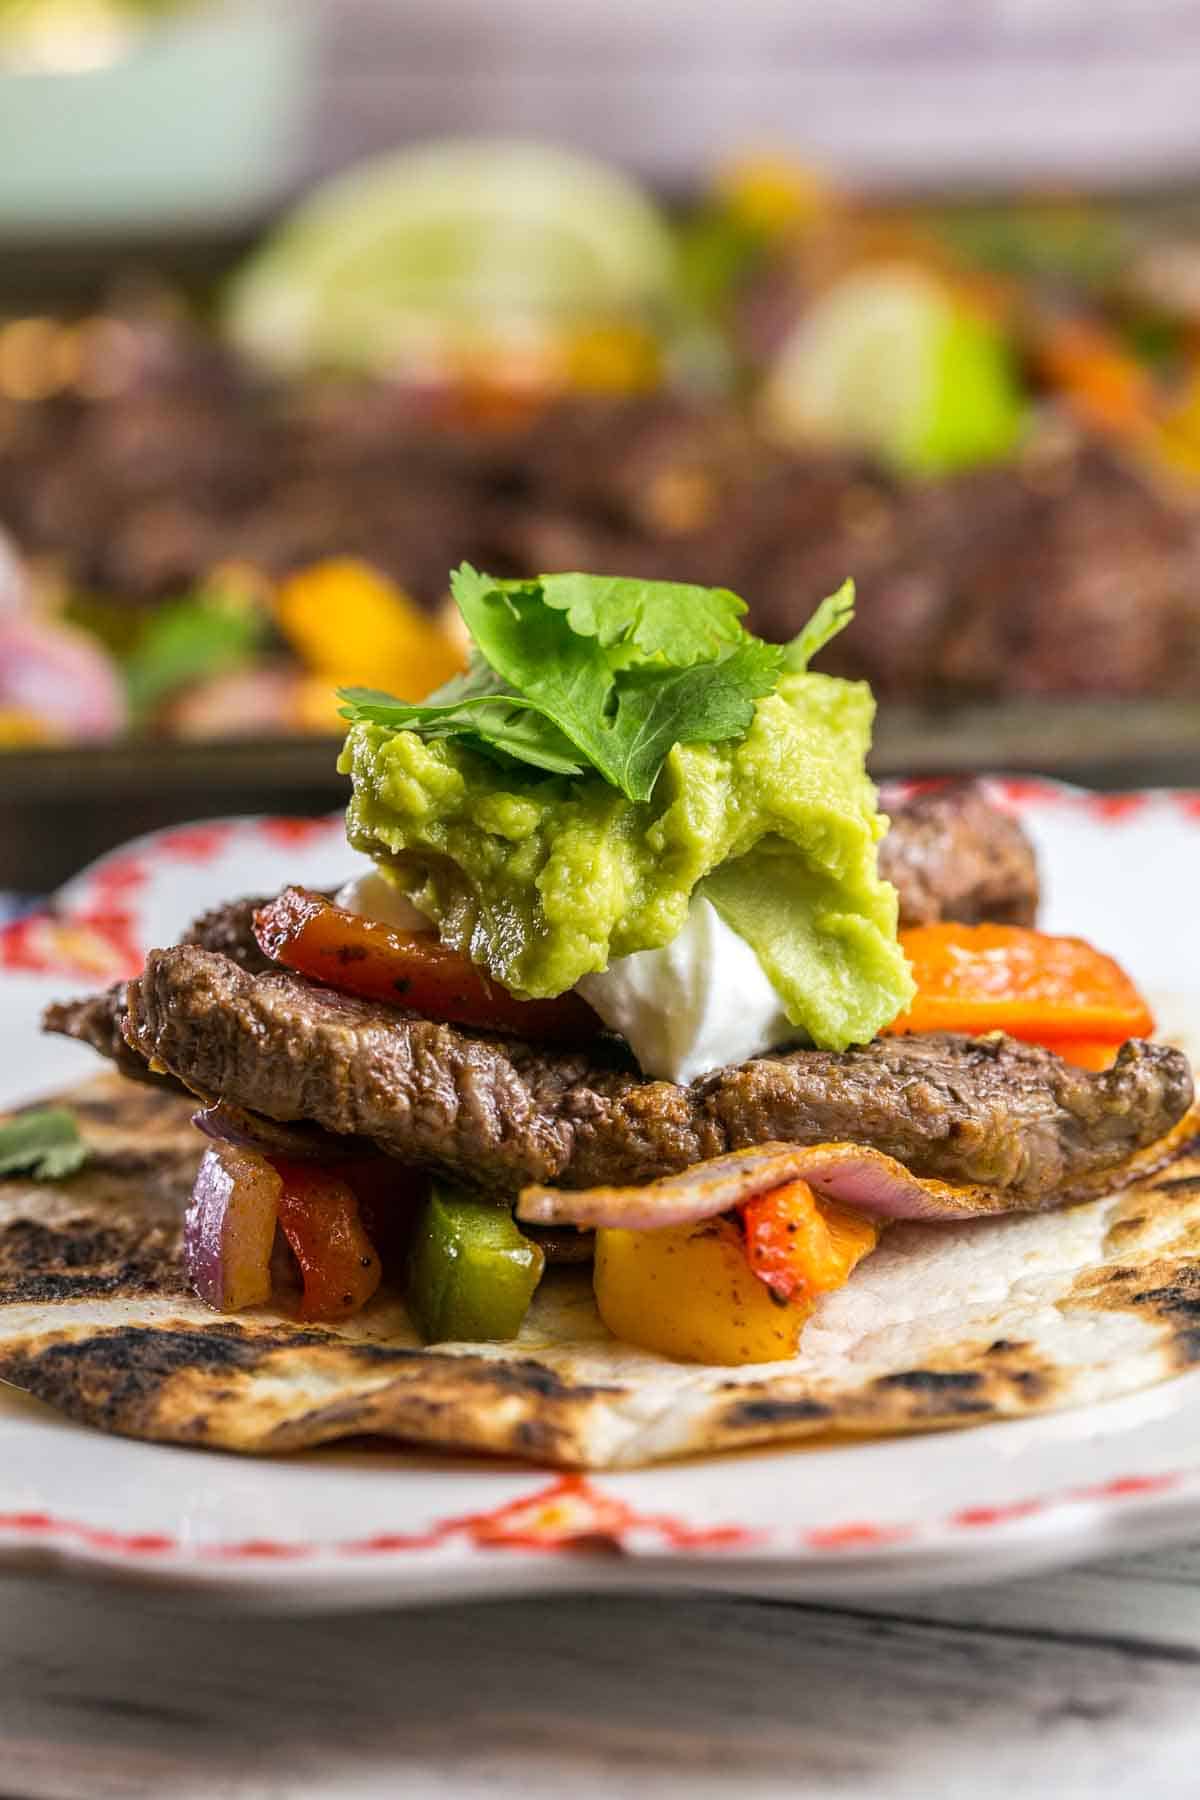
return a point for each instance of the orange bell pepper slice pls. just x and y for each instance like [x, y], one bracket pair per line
[800, 1246]
[1088, 1053]
[319, 1217]
[308, 933]
[1042, 989]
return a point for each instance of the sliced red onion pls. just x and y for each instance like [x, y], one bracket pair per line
[227, 1124]
[14, 580]
[851, 1174]
[62, 677]
[229, 1229]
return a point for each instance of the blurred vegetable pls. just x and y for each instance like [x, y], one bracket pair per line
[890, 360]
[60, 678]
[775, 196]
[758, 207]
[213, 632]
[247, 703]
[350, 625]
[1070, 240]
[1098, 376]
[20, 730]
[446, 258]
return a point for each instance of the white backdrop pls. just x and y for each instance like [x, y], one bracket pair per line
[892, 91]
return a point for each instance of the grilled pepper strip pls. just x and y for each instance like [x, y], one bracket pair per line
[1046, 990]
[471, 1272]
[801, 1246]
[306, 932]
[319, 1217]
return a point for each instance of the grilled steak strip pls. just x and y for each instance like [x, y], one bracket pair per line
[98, 1019]
[949, 852]
[230, 929]
[1007, 1116]
[952, 854]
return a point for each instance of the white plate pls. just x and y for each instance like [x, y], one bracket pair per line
[369, 1528]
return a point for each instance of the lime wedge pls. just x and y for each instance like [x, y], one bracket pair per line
[458, 246]
[889, 361]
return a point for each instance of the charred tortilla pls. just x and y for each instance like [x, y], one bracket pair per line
[945, 1324]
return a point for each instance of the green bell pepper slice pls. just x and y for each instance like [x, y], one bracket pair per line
[471, 1272]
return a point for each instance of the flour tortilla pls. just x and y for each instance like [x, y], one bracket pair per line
[943, 1325]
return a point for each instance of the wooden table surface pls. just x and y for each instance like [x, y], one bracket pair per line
[1073, 1685]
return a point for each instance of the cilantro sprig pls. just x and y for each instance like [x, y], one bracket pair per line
[45, 1144]
[572, 673]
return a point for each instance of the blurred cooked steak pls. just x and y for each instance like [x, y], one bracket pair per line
[1066, 571]
[230, 930]
[1011, 1117]
[951, 854]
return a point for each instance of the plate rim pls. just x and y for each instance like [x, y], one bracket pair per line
[567, 1531]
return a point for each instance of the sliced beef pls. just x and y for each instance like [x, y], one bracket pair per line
[97, 1021]
[952, 854]
[501, 1113]
[230, 930]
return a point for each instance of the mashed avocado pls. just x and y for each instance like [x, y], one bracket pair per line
[542, 879]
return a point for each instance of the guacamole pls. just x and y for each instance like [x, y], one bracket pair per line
[543, 878]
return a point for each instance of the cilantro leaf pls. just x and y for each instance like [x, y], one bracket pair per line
[649, 621]
[45, 1144]
[706, 704]
[576, 672]
[478, 705]
[833, 615]
[624, 720]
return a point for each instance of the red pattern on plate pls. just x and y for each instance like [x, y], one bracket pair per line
[195, 843]
[984, 1516]
[1116, 808]
[1124, 1486]
[289, 832]
[573, 1514]
[117, 877]
[94, 946]
[855, 1537]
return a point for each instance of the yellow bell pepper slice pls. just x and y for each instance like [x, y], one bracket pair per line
[691, 1292]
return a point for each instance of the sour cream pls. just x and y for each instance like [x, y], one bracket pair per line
[696, 1004]
[372, 896]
